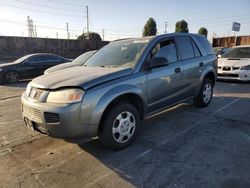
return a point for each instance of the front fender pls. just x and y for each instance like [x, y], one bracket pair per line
[108, 97]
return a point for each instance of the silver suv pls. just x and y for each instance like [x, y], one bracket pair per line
[121, 84]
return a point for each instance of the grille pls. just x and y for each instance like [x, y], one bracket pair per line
[51, 117]
[226, 68]
[35, 93]
[33, 114]
[236, 68]
[229, 75]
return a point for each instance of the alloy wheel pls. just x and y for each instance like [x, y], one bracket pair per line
[207, 92]
[123, 127]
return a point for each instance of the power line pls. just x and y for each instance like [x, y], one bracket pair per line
[41, 5]
[242, 16]
[39, 26]
[60, 2]
[38, 11]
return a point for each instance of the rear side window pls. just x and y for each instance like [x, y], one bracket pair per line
[205, 44]
[167, 49]
[52, 58]
[36, 59]
[185, 47]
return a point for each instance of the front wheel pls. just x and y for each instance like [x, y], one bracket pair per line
[205, 94]
[120, 126]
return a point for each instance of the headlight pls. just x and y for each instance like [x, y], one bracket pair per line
[65, 96]
[245, 67]
[28, 88]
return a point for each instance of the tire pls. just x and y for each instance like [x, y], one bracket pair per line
[11, 77]
[205, 94]
[120, 126]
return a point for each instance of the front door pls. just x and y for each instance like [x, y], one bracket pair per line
[32, 67]
[165, 83]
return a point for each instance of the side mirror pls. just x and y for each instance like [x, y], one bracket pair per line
[158, 62]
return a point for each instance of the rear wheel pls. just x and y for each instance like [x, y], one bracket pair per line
[11, 77]
[120, 126]
[205, 95]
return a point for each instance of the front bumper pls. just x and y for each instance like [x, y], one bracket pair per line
[241, 75]
[56, 120]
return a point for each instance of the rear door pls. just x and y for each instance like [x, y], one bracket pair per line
[191, 63]
[164, 83]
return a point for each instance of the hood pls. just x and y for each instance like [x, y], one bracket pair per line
[84, 77]
[61, 67]
[233, 62]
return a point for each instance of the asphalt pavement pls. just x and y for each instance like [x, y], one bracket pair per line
[181, 147]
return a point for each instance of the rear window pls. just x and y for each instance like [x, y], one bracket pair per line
[205, 44]
[238, 53]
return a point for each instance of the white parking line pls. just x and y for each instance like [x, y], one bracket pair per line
[164, 142]
[234, 101]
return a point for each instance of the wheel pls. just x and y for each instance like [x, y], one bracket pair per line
[120, 126]
[11, 77]
[205, 94]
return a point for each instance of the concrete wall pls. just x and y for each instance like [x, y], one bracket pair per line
[231, 41]
[15, 47]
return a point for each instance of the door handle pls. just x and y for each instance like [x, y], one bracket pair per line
[177, 70]
[201, 64]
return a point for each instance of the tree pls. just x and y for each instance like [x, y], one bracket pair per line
[92, 36]
[181, 26]
[150, 28]
[203, 31]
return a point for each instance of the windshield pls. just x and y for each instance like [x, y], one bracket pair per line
[84, 57]
[243, 52]
[118, 54]
[21, 59]
[217, 50]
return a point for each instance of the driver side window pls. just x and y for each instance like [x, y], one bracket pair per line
[165, 49]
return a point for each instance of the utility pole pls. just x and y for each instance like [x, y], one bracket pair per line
[166, 25]
[103, 34]
[67, 26]
[35, 31]
[87, 11]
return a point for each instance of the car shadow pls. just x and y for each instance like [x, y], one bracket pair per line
[156, 130]
[233, 81]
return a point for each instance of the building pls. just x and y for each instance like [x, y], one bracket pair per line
[231, 41]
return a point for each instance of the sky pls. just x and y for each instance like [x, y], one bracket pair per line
[122, 19]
